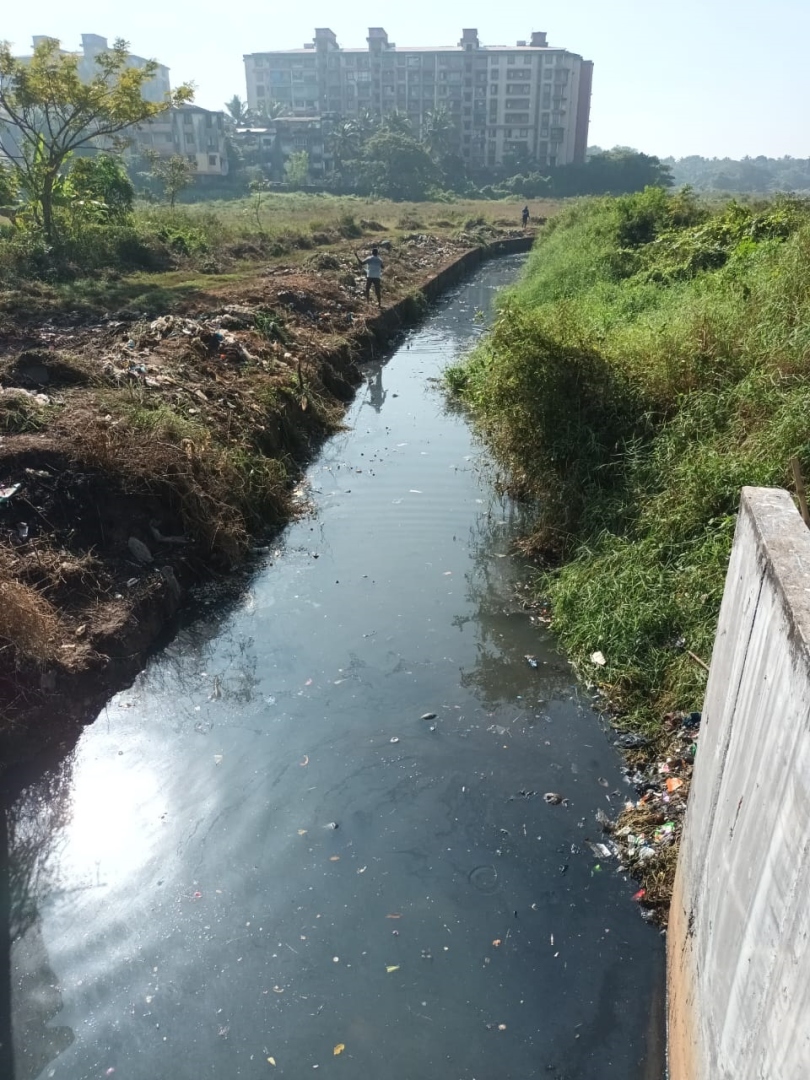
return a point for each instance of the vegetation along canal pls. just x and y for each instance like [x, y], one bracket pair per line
[312, 836]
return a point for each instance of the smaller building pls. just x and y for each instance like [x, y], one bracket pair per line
[189, 131]
[271, 145]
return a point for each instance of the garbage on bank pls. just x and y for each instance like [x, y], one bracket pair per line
[646, 834]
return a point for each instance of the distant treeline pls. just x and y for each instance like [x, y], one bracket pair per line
[755, 174]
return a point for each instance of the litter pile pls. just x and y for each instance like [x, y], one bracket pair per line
[646, 835]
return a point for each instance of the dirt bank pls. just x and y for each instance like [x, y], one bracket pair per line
[142, 452]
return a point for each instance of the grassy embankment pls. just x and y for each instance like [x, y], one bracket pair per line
[166, 257]
[652, 360]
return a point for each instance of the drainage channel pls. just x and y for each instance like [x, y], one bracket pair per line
[312, 837]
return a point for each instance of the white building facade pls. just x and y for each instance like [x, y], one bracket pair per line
[529, 100]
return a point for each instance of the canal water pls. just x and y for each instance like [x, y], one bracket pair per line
[311, 840]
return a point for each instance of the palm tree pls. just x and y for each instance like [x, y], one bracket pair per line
[398, 123]
[346, 142]
[238, 110]
[271, 110]
[439, 131]
[365, 124]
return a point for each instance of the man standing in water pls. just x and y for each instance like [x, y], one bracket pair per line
[373, 267]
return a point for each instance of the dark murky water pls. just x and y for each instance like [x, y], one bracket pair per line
[181, 906]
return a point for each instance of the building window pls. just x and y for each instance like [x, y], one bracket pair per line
[527, 59]
[213, 160]
[511, 60]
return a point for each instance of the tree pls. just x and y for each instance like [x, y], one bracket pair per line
[365, 124]
[258, 196]
[397, 122]
[270, 110]
[9, 188]
[48, 112]
[439, 131]
[613, 172]
[398, 166]
[240, 113]
[173, 174]
[103, 180]
[296, 169]
[346, 142]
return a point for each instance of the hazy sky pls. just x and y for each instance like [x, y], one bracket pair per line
[712, 77]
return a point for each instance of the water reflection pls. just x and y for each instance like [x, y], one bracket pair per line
[376, 395]
[31, 837]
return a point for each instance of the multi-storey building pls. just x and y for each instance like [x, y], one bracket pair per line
[158, 87]
[530, 100]
[191, 132]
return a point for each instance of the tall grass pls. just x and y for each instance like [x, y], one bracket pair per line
[652, 360]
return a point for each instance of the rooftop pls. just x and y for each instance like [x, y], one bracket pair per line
[378, 42]
[420, 49]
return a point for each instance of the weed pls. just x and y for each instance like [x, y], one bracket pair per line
[348, 227]
[159, 420]
[20, 412]
[410, 220]
[271, 327]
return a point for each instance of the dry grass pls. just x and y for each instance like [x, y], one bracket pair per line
[296, 212]
[29, 624]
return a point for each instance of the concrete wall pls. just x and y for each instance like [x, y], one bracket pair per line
[739, 938]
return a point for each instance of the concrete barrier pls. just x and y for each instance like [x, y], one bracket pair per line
[739, 935]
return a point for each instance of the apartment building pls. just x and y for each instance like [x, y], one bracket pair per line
[191, 132]
[158, 87]
[530, 100]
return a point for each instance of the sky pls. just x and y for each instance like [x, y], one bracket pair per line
[720, 78]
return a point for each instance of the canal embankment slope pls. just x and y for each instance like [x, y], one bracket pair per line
[651, 362]
[144, 452]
